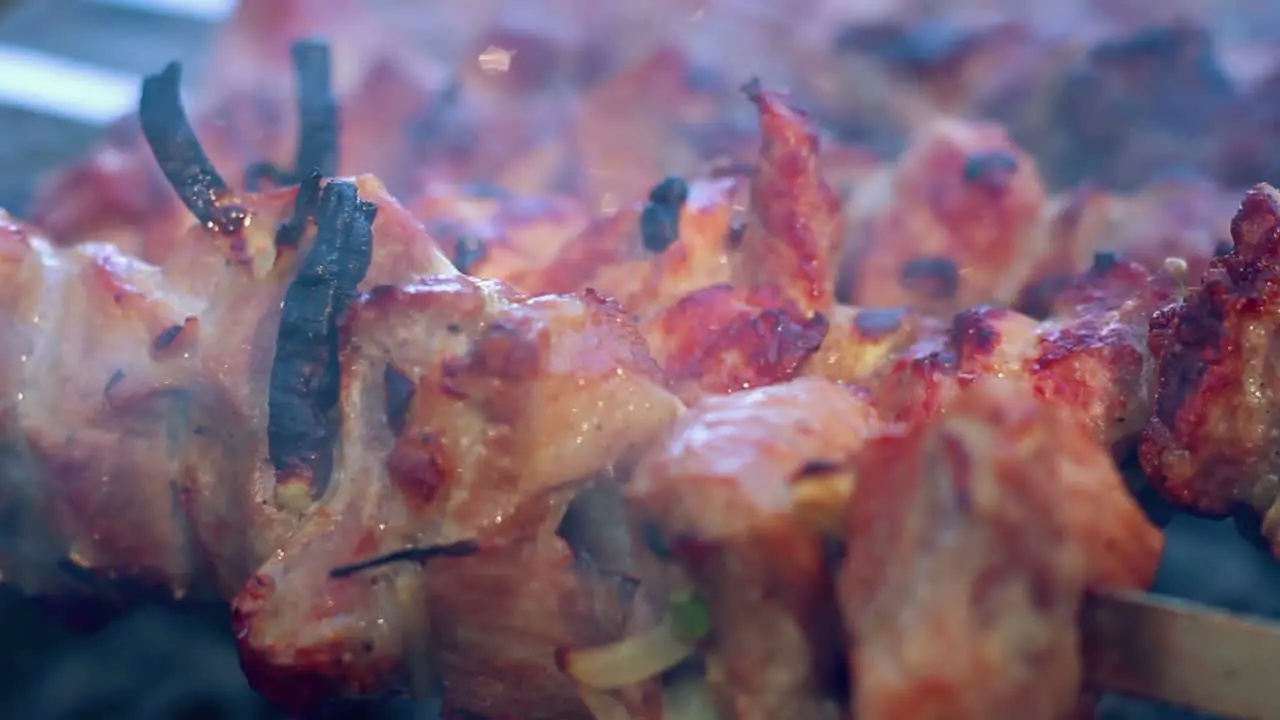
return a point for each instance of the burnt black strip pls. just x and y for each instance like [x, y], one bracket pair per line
[167, 337]
[305, 206]
[317, 109]
[116, 378]
[660, 220]
[319, 121]
[413, 554]
[304, 389]
[400, 391]
[183, 161]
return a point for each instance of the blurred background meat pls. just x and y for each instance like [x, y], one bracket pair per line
[1115, 94]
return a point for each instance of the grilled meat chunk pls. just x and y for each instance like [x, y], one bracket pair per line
[970, 540]
[1210, 443]
[1092, 357]
[472, 415]
[720, 491]
[150, 460]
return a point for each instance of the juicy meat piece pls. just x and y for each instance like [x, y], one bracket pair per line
[722, 340]
[1185, 218]
[652, 256]
[1093, 357]
[471, 415]
[861, 344]
[1210, 444]
[796, 230]
[1182, 218]
[721, 491]
[766, 323]
[649, 255]
[957, 228]
[970, 541]
[491, 233]
[149, 461]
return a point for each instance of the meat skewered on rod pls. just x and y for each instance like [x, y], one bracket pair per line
[470, 416]
[471, 413]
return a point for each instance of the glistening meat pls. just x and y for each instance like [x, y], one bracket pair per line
[792, 432]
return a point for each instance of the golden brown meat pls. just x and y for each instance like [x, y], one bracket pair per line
[1210, 443]
[862, 343]
[1092, 357]
[649, 255]
[958, 226]
[765, 324]
[795, 233]
[720, 492]
[971, 539]
[1185, 219]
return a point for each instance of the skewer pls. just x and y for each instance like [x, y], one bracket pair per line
[1182, 653]
[1169, 650]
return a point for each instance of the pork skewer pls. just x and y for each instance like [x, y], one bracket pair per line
[257, 601]
[466, 413]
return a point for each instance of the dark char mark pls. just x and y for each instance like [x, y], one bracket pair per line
[318, 119]
[469, 251]
[874, 323]
[167, 337]
[303, 396]
[656, 540]
[400, 391]
[992, 168]
[660, 220]
[937, 278]
[1103, 262]
[817, 467]
[184, 163]
[412, 554]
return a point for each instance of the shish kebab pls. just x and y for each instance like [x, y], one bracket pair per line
[241, 234]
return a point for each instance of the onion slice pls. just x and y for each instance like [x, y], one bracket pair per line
[603, 706]
[821, 500]
[639, 657]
